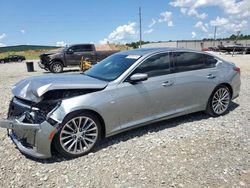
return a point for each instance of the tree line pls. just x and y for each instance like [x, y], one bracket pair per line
[135, 45]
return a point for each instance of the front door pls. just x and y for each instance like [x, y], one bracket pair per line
[150, 99]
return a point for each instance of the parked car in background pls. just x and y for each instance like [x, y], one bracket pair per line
[71, 56]
[124, 91]
[12, 58]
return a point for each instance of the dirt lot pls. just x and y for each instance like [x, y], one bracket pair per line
[189, 151]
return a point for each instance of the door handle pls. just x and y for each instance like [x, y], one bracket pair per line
[211, 76]
[167, 83]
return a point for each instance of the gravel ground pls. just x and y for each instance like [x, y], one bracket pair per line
[189, 151]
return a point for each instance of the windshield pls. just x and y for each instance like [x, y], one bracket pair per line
[112, 67]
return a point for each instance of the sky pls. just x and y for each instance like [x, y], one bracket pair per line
[61, 22]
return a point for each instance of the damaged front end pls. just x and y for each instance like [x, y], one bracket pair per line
[44, 61]
[30, 123]
[29, 128]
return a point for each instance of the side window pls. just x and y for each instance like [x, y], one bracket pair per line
[86, 48]
[76, 48]
[209, 61]
[82, 48]
[188, 61]
[156, 65]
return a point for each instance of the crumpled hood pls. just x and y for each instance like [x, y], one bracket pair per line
[33, 88]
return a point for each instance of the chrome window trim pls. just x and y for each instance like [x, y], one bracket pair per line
[142, 61]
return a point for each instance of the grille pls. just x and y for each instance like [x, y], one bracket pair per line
[44, 59]
[16, 110]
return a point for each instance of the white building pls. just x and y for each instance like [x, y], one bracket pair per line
[195, 44]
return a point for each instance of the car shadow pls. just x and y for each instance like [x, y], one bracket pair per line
[138, 132]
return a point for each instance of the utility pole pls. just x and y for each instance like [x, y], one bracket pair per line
[140, 26]
[235, 42]
[215, 28]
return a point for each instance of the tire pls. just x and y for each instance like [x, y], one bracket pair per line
[75, 141]
[2, 61]
[219, 101]
[19, 60]
[56, 67]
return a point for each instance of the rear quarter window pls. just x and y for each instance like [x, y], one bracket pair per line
[209, 61]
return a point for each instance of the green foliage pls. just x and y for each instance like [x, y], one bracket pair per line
[27, 54]
[135, 45]
[232, 37]
[25, 48]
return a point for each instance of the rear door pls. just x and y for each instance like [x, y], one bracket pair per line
[79, 52]
[194, 79]
[87, 52]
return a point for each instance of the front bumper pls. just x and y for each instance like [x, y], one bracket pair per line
[44, 65]
[38, 134]
[41, 65]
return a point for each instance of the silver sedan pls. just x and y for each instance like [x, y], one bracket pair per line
[127, 90]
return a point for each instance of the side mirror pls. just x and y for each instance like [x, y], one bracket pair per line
[70, 51]
[138, 77]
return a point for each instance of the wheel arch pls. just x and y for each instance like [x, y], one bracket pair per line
[221, 84]
[208, 108]
[228, 86]
[103, 134]
[103, 127]
[57, 60]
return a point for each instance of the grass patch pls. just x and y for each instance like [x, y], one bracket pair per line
[30, 54]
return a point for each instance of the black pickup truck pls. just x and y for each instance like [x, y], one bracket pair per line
[70, 56]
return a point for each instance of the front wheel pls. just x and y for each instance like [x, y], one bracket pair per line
[219, 101]
[78, 135]
[56, 67]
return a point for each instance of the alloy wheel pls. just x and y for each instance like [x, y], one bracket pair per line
[57, 68]
[78, 135]
[221, 100]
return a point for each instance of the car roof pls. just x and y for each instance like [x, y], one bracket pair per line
[149, 51]
[79, 44]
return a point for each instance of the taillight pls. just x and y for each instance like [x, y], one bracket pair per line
[237, 69]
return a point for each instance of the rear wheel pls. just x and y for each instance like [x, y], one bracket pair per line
[219, 101]
[78, 135]
[2, 61]
[56, 67]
